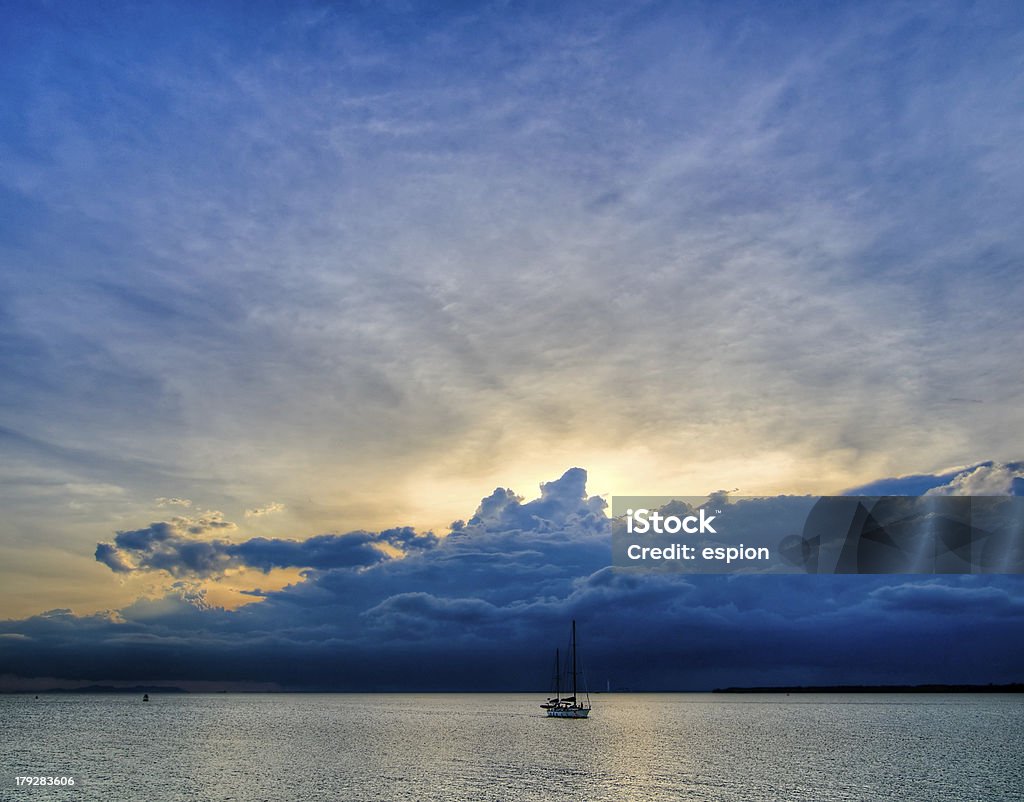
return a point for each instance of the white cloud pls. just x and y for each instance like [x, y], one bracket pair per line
[173, 502]
[987, 479]
[273, 507]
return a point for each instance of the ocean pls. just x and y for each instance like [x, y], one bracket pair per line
[308, 747]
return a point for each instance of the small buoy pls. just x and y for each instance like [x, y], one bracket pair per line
[145, 697]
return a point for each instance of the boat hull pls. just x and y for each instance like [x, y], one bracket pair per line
[569, 712]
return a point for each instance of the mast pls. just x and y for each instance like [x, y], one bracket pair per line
[574, 661]
[558, 671]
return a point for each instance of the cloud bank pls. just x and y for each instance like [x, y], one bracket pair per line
[401, 610]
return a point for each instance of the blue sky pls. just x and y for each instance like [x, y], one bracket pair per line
[316, 268]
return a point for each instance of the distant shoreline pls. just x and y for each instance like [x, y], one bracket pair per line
[1013, 687]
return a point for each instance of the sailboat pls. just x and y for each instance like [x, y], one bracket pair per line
[567, 706]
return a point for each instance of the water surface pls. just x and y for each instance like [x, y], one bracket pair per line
[277, 747]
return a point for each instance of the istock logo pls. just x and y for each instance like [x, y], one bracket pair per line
[642, 521]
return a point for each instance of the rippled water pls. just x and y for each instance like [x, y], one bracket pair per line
[491, 747]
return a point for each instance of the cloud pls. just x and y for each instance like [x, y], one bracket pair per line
[108, 554]
[173, 502]
[940, 599]
[273, 507]
[398, 609]
[982, 479]
[325, 552]
[638, 228]
[180, 548]
[563, 504]
[986, 479]
[679, 250]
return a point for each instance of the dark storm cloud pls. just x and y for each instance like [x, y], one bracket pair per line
[328, 551]
[108, 554]
[491, 600]
[942, 599]
[178, 547]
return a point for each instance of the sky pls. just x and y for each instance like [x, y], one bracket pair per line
[288, 291]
